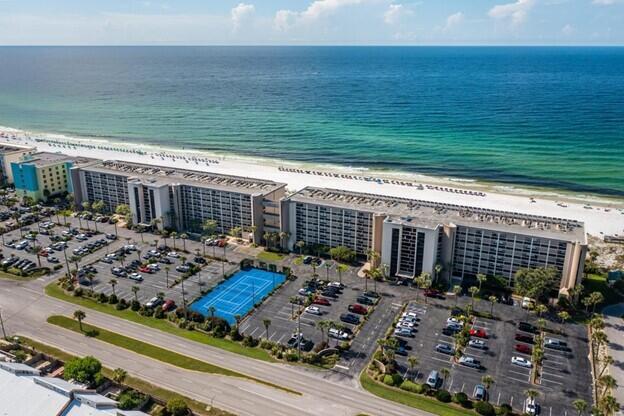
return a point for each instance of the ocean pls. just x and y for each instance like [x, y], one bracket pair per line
[542, 117]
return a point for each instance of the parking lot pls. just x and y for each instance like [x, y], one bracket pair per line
[158, 280]
[565, 375]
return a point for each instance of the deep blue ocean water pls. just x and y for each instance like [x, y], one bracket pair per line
[547, 117]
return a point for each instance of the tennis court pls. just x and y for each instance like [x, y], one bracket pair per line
[238, 294]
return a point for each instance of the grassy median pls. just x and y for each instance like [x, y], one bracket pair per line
[410, 399]
[54, 290]
[152, 351]
[156, 392]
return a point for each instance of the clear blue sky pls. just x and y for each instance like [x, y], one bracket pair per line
[206, 22]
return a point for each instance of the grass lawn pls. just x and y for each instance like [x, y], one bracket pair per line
[598, 283]
[11, 276]
[411, 399]
[56, 291]
[151, 351]
[270, 256]
[135, 383]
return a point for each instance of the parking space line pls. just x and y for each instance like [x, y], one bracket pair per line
[254, 331]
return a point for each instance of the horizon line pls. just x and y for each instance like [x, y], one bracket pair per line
[429, 45]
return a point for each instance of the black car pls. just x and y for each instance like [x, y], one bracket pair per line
[445, 349]
[329, 294]
[199, 260]
[165, 260]
[365, 300]
[525, 338]
[350, 318]
[450, 331]
[527, 327]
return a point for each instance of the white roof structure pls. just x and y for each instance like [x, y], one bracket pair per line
[24, 393]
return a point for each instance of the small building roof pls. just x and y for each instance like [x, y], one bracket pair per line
[42, 159]
[19, 369]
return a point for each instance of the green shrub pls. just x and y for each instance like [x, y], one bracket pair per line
[505, 410]
[462, 399]
[159, 313]
[411, 387]
[130, 399]
[397, 379]
[177, 407]
[443, 396]
[266, 344]
[291, 356]
[135, 306]
[112, 299]
[78, 291]
[102, 298]
[388, 380]
[425, 388]
[250, 341]
[485, 409]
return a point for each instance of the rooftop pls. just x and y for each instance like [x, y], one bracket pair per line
[430, 214]
[166, 175]
[9, 148]
[42, 159]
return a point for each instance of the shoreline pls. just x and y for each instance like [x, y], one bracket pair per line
[602, 214]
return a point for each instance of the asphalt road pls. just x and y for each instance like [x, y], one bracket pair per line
[25, 310]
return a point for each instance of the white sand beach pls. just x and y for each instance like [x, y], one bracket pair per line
[602, 216]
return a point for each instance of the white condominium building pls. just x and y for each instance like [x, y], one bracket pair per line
[414, 236]
[182, 198]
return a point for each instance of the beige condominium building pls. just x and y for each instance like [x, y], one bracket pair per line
[182, 198]
[10, 153]
[414, 236]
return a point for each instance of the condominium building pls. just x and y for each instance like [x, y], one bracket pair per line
[415, 236]
[10, 153]
[183, 198]
[44, 175]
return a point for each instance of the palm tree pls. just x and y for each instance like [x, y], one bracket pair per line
[209, 227]
[437, 269]
[481, 278]
[328, 265]
[267, 323]
[445, 372]
[36, 249]
[531, 394]
[119, 375]
[473, 291]
[341, 268]
[293, 300]
[173, 236]
[267, 238]
[79, 316]
[609, 405]
[487, 381]
[541, 309]
[424, 283]
[212, 311]
[457, 289]
[608, 383]
[412, 362]
[606, 362]
[183, 236]
[167, 268]
[160, 295]
[300, 245]
[225, 244]
[581, 406]
[113, 283]
[564, 316]
[135, 290]
[492, 300]
[283, 235]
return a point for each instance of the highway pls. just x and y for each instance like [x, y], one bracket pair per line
[25, 309]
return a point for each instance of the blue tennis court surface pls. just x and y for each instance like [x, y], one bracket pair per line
[238, 294]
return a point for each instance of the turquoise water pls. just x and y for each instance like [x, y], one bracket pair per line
[238, 294]
[547, 117]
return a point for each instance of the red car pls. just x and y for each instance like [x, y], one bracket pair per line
[357, 308]
[321, 301]
[523, 348]
[433, 293]
[479, 333]
[169, 305]
[43, 253]
[145, 269]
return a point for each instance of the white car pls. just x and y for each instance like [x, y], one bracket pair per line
[405, 324]
[135, 276]
[153, 302]
[528, 303]
[530, 406]
[336, 284]
[412, 315]
[173, 254]
[522, 362]
[338, 334]
[477, 343]
[153, 266]
[454, 321]
[313, 310]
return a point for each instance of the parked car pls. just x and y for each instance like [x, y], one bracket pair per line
[522, 362]
[531, 407]
[365, 300]
[313, 310]
[168, 305]
[153, 302]
[555, 344]
[528, 303]
[321, 301]
[53, 259]
[135, 276]
[479, 333]
[450, 331]
[445, 349]
[524, 338]
[359, 309]
[336, 285]
[469, 362]
[350, 318]
[527, 327]
[434, 293]
[338, 334]
[199, 260]
[294, 340]
[404, 332]
[183, 268]
[479, 392]
[478, 344]
[433, 379]
[523, 348]
[111, 236]
[329, 294]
